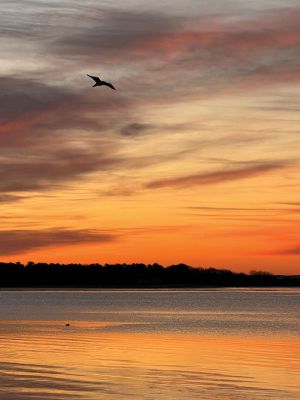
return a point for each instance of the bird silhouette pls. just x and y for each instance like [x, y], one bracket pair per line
[99, 82]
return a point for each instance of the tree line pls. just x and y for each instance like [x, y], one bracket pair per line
[133, 275]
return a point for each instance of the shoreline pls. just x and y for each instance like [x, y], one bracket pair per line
[161, 288]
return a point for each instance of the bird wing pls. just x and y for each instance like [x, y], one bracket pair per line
[108, 84]
[96, 79]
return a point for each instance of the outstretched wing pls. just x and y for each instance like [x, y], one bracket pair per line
[108, 84]
[96, 79]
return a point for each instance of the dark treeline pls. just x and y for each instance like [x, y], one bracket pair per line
[133, 275]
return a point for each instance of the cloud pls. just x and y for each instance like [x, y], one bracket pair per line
[203, 208]
[215, 177]
[114, 34]
[24, 240]
[22, 95]
[207, 54]
[290, 203]
[155, 229]
[31, 107]
[52, 169]
[201, 52]
[7, 198]
[148, 34]
[263, 209]
[45, 141]
[135, 129]
[55, 130]
[21, 241]
[293, 251]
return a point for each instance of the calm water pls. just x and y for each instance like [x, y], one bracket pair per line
[196, 344]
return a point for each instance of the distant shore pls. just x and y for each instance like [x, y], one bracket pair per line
[43, 276]
[145, 289]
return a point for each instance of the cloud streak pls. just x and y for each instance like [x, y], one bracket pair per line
[21, 241]
[211, 178]
[293, 251]
[218, 54]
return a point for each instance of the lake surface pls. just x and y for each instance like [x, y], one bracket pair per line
[226, 344]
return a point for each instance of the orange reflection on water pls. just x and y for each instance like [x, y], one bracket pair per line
[88, 362]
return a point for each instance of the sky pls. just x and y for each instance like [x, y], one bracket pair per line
[194, 158]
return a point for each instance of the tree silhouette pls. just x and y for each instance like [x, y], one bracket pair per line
[133, 275]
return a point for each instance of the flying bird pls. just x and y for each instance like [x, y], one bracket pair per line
[99, 82]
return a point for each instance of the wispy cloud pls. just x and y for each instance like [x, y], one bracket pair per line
[21, 241]
[218, 53]
[290, 203]
[7, 198]
[203, 208]
[293, 251]
[215, 177]
[55, 133]
[115, 34]
[45, 141]
[30, 104]
[146, 46]
[52, 169]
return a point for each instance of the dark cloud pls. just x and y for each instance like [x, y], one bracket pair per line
[215, 177]
[135, 129]
[144, 34]
[31, 108]
[50, 135]
[112, 34]
[160, 46]
[7, 198]
[49, 170]
[206, 54]
[56, 133]
[20, 241]
[21, 96]
[217, 54]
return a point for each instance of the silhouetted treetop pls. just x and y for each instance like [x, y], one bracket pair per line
[136, 275]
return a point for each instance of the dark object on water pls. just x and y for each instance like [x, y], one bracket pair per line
[67, 324]
[99, 82]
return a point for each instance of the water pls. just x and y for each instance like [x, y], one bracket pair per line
[169, 344]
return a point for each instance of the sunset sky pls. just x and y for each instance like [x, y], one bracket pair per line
[195, 157]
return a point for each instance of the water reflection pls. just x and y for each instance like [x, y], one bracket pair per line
[228, 345]
[93, 365]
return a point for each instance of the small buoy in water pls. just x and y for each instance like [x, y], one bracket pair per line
[67, 324]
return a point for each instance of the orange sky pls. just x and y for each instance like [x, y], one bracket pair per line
[194, 158]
